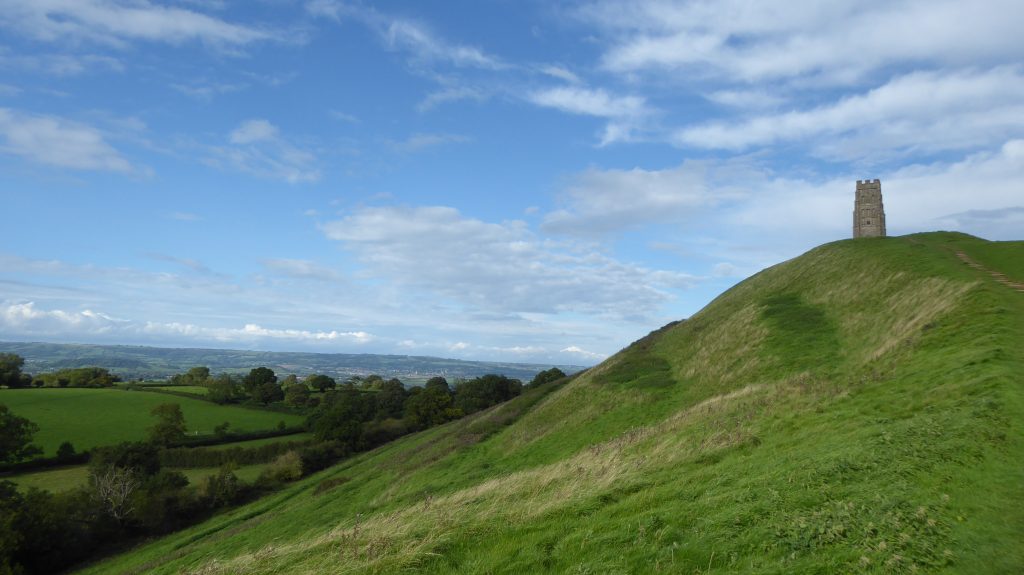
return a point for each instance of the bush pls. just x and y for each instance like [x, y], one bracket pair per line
[66, 450]
[221, 489]
[287, 467]
[322, 455]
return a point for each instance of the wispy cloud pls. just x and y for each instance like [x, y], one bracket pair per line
[597, 201]
[918, 112]
[118, 22]
[415, 39]
[624, 113]
[184, 216]
[472, 262]
[56, 141]
[59, 64]
[301, 269]
[257, 148]
[834, 42]
[421, 141]
[26, 319]
[206, 90]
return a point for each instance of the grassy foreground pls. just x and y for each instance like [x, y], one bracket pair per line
[858, 409]
[93, 417]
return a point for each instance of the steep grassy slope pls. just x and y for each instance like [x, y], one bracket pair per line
[857, 409]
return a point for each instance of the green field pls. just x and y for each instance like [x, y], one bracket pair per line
[854, 410]
[93, 417]
[65, 478]
[193, 389]
[265, 441]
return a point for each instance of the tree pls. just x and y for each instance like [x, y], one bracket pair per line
[143, 458]
[546, 376]
[10, 369]
[170, 425]
[428, 408]
[257, 377]
[16, 437]
[268, 392]
[113, 488]
[439, 383]
[197, 375]
[223, 389]
[390, 400]
[340, 418]
[480, 393]
[65, 450]
[296, 395]
[321, 382]
[289, 381]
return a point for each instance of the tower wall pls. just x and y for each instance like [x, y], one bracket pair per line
[868, 210]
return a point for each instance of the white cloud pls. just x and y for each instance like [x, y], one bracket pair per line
[917, 112]
[589, 355]
[56, 141]
[25, 319]
[116, 22]
[497, 267]
[421, 43]
[419, 142]
[603, 201]
[301, 269]
[251, 131]
[918, 198]
[559, 72]
[257, 148]
[342, 116]
[59, 64]
[838, 41]
[448, 95]
[206, 90]
[184, 216]
[625, 113]
[411, 37]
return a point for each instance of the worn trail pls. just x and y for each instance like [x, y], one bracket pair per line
[998, 276]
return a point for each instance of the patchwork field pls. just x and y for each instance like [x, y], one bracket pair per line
[94, 417]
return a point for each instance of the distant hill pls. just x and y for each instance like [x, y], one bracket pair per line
[132, 362]
[856, 409]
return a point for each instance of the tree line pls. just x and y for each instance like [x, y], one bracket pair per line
[12, 376]
[131, 492]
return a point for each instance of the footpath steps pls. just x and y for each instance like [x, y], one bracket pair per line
[998, 276]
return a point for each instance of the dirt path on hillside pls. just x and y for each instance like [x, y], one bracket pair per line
[998, 276]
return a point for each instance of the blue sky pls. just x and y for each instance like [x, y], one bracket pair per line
[524, 181]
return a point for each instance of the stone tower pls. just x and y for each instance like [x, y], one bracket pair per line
[868, 211]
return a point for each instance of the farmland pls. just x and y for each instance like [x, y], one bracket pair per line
[94, 417]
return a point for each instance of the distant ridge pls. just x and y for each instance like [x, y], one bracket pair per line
[130, 362]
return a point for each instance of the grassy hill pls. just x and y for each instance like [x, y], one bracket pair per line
[93, 417]
[856, 409]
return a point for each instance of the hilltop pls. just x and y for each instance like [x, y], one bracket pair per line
[855, 409]
[131, 362]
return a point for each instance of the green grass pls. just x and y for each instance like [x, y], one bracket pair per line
[193, 389]
[854, 410]
[94, 417]
[265, 441]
